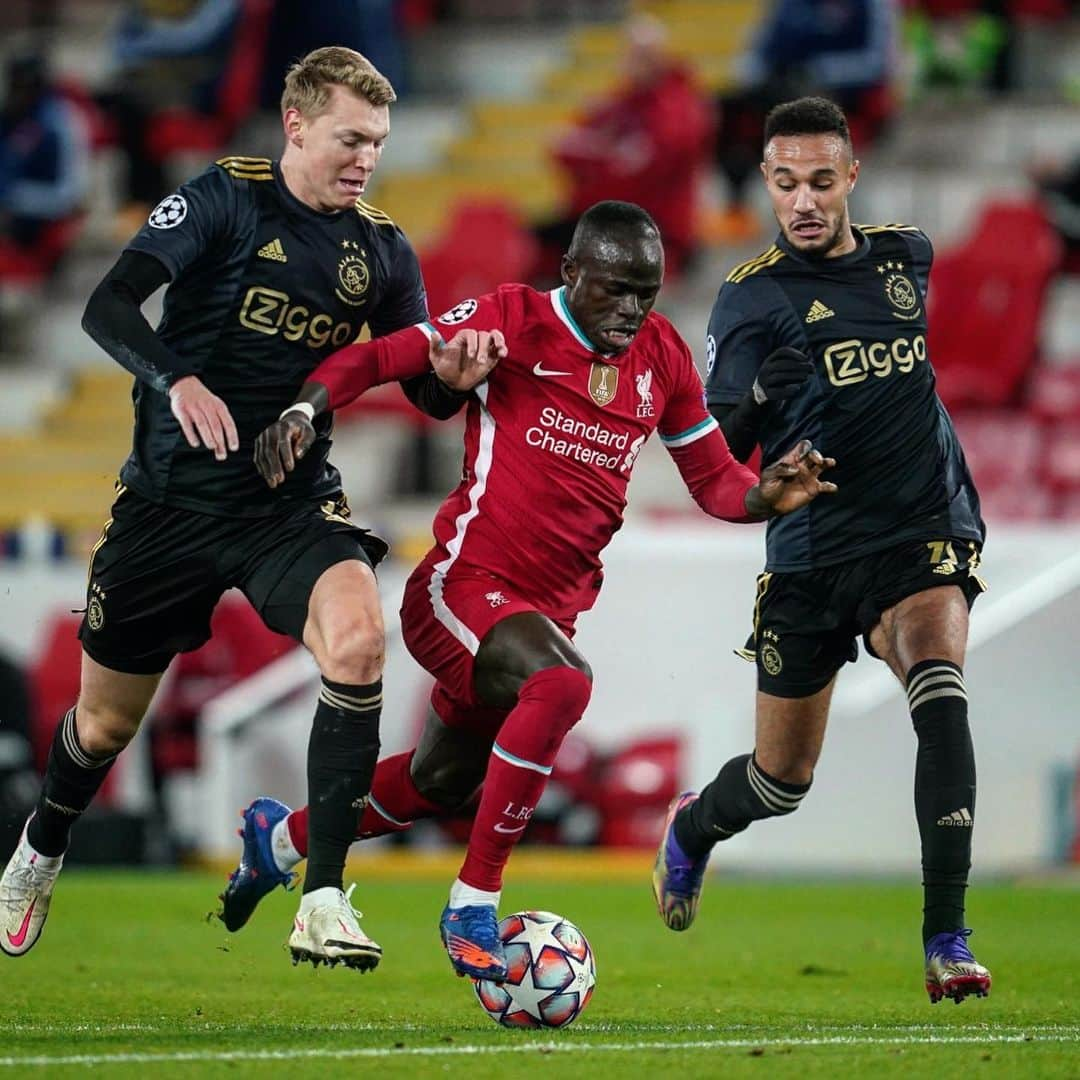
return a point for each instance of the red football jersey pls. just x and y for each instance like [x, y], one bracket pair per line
[551, 438]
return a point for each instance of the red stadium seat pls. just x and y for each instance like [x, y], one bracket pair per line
[634, 790]
[32, 266]
[1003, 449]
[483, 246]
[54, 680]
[100, 130]
[54, 676]
[177, 130]
[1067, 508]
[1053, 392]
[1039, 10]
[986, 304]
[1061, 459]
[1027, 502]
[871, 114]
[240, 644]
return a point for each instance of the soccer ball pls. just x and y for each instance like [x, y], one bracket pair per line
[551, 973]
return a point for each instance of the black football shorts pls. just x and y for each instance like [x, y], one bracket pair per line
[806, 624]
[157, 573]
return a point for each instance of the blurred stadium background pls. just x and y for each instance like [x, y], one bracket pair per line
[966, 119]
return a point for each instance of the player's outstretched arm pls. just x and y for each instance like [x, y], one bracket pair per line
[462, 362]
[790, 483]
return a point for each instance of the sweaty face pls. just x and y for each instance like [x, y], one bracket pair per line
[330, 157]
[809, 178]
[611, 285]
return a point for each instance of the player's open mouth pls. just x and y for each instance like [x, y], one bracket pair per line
[619, 336]
[808, 228]
[354, 187]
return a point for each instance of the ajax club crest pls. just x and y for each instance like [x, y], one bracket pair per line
[353, 280]
[900, 291]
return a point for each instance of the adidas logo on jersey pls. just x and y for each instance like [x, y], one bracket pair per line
[819, 311]
[961, 818]
[275, 251]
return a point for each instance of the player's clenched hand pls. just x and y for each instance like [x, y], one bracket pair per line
[791, 482]
[204, 418]
[781, 374]
[281, 445]
[467, 358]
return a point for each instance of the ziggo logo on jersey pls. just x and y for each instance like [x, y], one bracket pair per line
[268, 311]
[849, 362]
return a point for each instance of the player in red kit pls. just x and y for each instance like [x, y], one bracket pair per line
[589, 372]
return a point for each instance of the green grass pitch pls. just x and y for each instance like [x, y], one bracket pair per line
[777, 978]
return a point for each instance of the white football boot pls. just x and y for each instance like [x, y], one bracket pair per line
[326, 931]
[25, 891]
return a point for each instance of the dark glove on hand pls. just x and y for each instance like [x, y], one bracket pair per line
[781, 374]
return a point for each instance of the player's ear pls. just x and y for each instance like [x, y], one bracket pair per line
[293, 122]
[569, 270]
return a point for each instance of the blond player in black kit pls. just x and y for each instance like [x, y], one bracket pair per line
[270, 267]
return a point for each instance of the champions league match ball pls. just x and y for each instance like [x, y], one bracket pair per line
[551, 973]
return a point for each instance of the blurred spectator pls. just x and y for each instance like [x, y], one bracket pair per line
[373, 28]
[43, 157]
[967, 52]
[648, 143]
[1059, 186]
[165, 54]
[840, 49]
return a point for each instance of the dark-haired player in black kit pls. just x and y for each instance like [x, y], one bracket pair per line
[823, 337]
[271, 266]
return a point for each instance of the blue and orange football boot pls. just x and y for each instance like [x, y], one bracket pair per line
[676, 877]
[951, 970]
[257, 873]
[470, 935]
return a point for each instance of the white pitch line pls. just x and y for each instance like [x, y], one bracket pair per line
[574, 1047]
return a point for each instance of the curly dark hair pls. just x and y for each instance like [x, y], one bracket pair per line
[807, 116]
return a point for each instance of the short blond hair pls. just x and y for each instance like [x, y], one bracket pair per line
[308, 82]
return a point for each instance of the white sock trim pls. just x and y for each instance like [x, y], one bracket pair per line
[284, 850]
[462, 895]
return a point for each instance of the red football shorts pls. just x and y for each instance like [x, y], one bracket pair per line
[445, 616]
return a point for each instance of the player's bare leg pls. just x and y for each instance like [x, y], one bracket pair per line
[344, 632]
[770, 782]
[923, 639]
[87, 740]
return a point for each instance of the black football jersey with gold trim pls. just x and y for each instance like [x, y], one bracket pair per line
[263, 288]
[870, 403]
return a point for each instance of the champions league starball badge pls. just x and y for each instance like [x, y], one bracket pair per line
[458, 313]
[169, 212]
